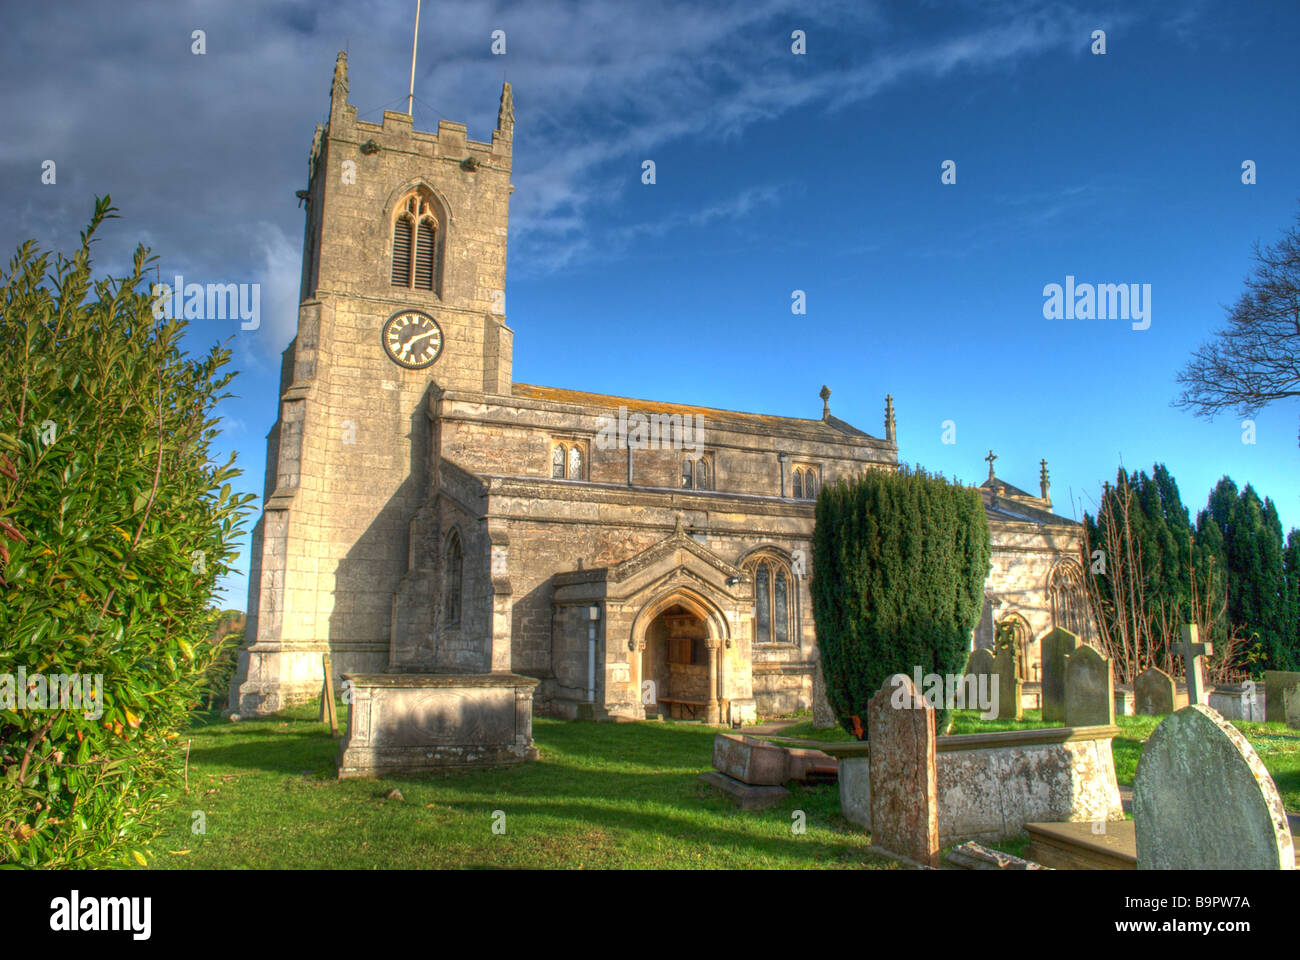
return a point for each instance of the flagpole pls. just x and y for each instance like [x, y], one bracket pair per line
[415, 40]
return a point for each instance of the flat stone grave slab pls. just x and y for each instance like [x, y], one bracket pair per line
[747, 796]
[1077, 845]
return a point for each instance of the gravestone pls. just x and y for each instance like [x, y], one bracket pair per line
[1276, 683]
[1007, 667]
[1154, 690]
[1194, 657]
[1089, 689]
[980, 663]
[1202, 799]
[904, 787]
[1056, 646]
[1291, 705]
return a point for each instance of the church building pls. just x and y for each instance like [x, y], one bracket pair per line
[425, 512]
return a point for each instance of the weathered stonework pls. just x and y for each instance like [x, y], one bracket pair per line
[409, 724]
[1188, 820]
[622, 591]
[991, 784]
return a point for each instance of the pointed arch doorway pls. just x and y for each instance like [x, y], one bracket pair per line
[678, 656]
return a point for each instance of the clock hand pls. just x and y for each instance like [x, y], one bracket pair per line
[427, 333]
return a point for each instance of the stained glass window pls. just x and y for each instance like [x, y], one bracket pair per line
[780, 617]
[762, 610]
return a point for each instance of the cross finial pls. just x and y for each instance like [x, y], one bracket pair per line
[1044, 482]
[889, 416]
[990, 458]
[1195, 653]
[826, 401]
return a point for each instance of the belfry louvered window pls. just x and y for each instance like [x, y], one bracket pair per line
[402, 253]
[415, 245]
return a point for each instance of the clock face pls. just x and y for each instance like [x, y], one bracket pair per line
[412, 339]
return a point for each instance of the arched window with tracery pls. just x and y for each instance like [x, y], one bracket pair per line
[452, 578]
[557, 462]
[773, 607]
[702, 475]
[415, 243]
[798, 484]
[1069, 599]
[688, 475]
[575, 463]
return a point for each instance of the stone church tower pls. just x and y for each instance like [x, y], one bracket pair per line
[398, 221]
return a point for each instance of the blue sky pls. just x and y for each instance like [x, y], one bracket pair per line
[775, 172]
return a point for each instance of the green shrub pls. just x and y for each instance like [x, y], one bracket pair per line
[114, 527]
[899, 564]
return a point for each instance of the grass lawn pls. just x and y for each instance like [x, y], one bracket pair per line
[601, 796]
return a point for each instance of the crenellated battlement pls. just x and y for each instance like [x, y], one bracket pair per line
[397, 132]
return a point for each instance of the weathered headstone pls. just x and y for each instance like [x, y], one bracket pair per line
[1291, 704]
[1056, 646]
[1194, 657]
[1276, 684]
[980, 663]
[1203, 800]
[904, 787]
[1089, 689]
[1007, 666]
[1154, 690]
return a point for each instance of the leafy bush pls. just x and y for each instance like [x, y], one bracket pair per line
[114, 527]
[899, 564]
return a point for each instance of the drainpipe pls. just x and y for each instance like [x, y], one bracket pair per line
[593, 617]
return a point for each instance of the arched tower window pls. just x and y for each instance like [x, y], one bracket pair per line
[798, 484]
[688, 475]
[702, 475]
[452, 578]
[809, 486]
[575, 463]
[557, 462]
[415, 243]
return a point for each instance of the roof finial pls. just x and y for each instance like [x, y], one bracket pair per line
[1044, 485]
[340, 83]
[990, 458]
[889, 417]
[506, 112]
[826, 401]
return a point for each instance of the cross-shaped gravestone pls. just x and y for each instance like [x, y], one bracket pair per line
[1194, 655]
[990, 458]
